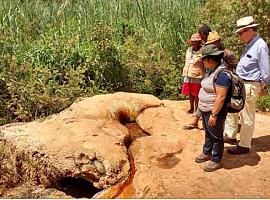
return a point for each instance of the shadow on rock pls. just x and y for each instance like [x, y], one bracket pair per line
[260, 144]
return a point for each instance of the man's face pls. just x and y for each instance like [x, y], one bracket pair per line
[245, 35]
[217, 43]
[204, 37]
[196, 44]
[208, 63]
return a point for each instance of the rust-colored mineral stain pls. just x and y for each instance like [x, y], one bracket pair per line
[128, 192]
[125, 188]
[128, 181]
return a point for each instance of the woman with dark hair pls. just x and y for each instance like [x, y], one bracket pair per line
[212, 96]
[193, 72]
[204, 32]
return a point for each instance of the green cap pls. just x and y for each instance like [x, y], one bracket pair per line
[211, 50]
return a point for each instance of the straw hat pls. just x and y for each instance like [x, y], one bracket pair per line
[211, 50]
[194, 38]
[212, 37]
[244, 23]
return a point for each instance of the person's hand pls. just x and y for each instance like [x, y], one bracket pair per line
[263, 92]
[263, 85]
[212, 121]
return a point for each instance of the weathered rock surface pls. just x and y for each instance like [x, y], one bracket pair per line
[89, 140]
[85, 141]
[165, 166]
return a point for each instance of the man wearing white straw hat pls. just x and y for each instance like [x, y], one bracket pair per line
[254, 69]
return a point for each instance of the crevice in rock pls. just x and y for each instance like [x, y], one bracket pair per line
[77, 187]
[134, 132]
[123, 117]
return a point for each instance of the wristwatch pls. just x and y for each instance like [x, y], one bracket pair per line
[213, 115]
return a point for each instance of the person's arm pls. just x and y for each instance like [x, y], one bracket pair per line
[186, 66]
[221, 86]
[221, 96]
[263, 62]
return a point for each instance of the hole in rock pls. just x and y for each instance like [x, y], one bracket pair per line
[123, 116]
[77, 187]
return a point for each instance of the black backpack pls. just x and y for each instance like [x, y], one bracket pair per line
[236, 94]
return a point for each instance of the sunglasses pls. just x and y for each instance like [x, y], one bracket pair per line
[241, 33]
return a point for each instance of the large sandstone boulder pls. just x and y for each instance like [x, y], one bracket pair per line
[125, 145]
[85, 141]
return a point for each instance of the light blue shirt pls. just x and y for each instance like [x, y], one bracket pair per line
[254, 62]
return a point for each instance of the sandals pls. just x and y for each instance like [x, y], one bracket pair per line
[190, 111]
[189, 127]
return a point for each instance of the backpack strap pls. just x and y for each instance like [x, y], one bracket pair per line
[217, 71]
[224, 69]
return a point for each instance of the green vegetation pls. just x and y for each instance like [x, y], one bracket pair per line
[222, 15]
[53, 51]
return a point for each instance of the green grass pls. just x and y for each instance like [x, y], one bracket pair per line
[53, 51]
[168, 22]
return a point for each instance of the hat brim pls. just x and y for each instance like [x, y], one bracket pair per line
[210, 42]
[245, 27]
[213, 54]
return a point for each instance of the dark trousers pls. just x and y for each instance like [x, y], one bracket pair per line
[214, 143]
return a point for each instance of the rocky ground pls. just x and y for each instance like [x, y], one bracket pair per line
[166, 168]
[87, 149]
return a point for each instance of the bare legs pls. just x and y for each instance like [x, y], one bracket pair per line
[193, 101]
[196, 101]
[191, 104]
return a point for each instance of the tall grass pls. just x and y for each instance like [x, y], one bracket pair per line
[52, 51]
[168, 22]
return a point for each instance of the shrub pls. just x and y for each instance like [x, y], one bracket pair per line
[52, 52]
[222, 16]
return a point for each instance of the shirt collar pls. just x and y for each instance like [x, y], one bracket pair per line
[253, 41]
[249, 45]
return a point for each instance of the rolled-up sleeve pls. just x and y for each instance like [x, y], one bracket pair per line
[264, 64]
